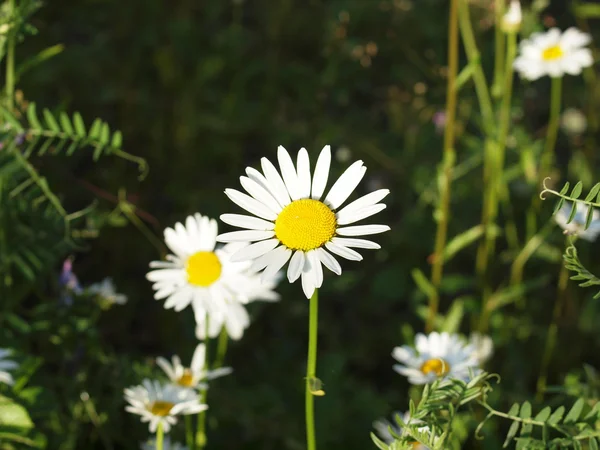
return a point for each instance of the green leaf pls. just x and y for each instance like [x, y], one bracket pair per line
[512, 431]
[51, 121]
[575, 411]
[13, 415]
[462, 240]
[104, 134]
[42, 56]
[79, 125]
[454, 317]
[593, 192]
[95, 129]
[65, 122]
[576, 192]
[543, 415]
[117, 140]
[423, 283]
[593, 444]
[588, 11]
[32, 117]
[465, 75]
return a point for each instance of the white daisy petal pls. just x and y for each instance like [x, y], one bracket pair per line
[362, 230]
[360, 214]
[278, 188]
[279, 257]
[329, 261]
[288, 172]
[255, 250]
[364, 201]
[303, 166]
[250, 204]
[249, 222]
[246, 235]
[316, 267]
[308, 285]
[344, 252]
[345, 185]
[296, 265]
[356, 243]
[260, 193]
[321, 173]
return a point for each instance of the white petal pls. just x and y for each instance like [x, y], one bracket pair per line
[245, 236]
[199, 357]
[249, 222]
[251, 205]
[303, 166]
[362, 230]
[278, 188]
[288, 172]
[316, 268]
[308, 284]
[279, 257]
[356, 243]
[296, 265]
[345, 185]
[321, 173]
[260, 194]
[255, 250]
[344, 252]
[364, 201]
[363, 213]
[329, 261]
[572, 38]
[255, 175]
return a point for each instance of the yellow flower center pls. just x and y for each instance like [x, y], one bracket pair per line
[552, 53]
[160, 408]
[437, 366]
[305, 224]
[203, 269]
[187, 379]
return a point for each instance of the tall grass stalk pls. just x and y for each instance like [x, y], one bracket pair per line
[445, 178]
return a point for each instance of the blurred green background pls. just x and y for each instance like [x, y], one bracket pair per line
[202, 89]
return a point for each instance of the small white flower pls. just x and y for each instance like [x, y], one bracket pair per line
[167, 445]
[192, 376]
[554, 53]
[437, 356]
[511, 22]
[293, 224]
[577, 225]
[573, 121]
[483, 347]
[200, 273]
[382, 429]
[107, 292]
[157, 403]
[5, 365]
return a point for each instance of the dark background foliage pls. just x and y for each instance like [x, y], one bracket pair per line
[204, 89]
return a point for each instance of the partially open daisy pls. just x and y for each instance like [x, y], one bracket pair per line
[437, 356]
[200, 273]
[5, 365]
[554, 53]
[191, 377]
[483, 347]
[577, 225]
[161, 404]
[295, 223]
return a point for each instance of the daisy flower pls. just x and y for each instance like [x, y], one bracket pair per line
[437, 356]
[293, 221]
[5, 365]
[383, 427]
[161, 404]
[107, 293]
[577, 225]
[200, 273]
[191, 377]
[554, 53]
[483, 347]
[167, 445]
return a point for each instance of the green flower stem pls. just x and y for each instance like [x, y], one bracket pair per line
[311, 369]
[201, 429]
[189, 432]
[10, 57]
[555, 102]
[221, 348]
[445, 177]
[499, 7]
[559, 304]
[159, 436]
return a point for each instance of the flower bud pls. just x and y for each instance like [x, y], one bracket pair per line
[511, 22]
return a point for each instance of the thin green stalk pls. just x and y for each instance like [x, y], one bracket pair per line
[311, 369]
[189, 432]
[532, 245]
[448, 165]
[563, 280]
[10, 57]
[221, 348]
[499, 6]
[159, 436]
[201, 429]
[555, 101]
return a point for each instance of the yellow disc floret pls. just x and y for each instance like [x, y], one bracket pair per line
[437, 366]
[305, 224]
[203, 268]
[187, 379]
[552, 53]
[160, 408]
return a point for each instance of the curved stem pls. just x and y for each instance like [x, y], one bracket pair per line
[311, 369]
[159, 436]
[448, 165]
